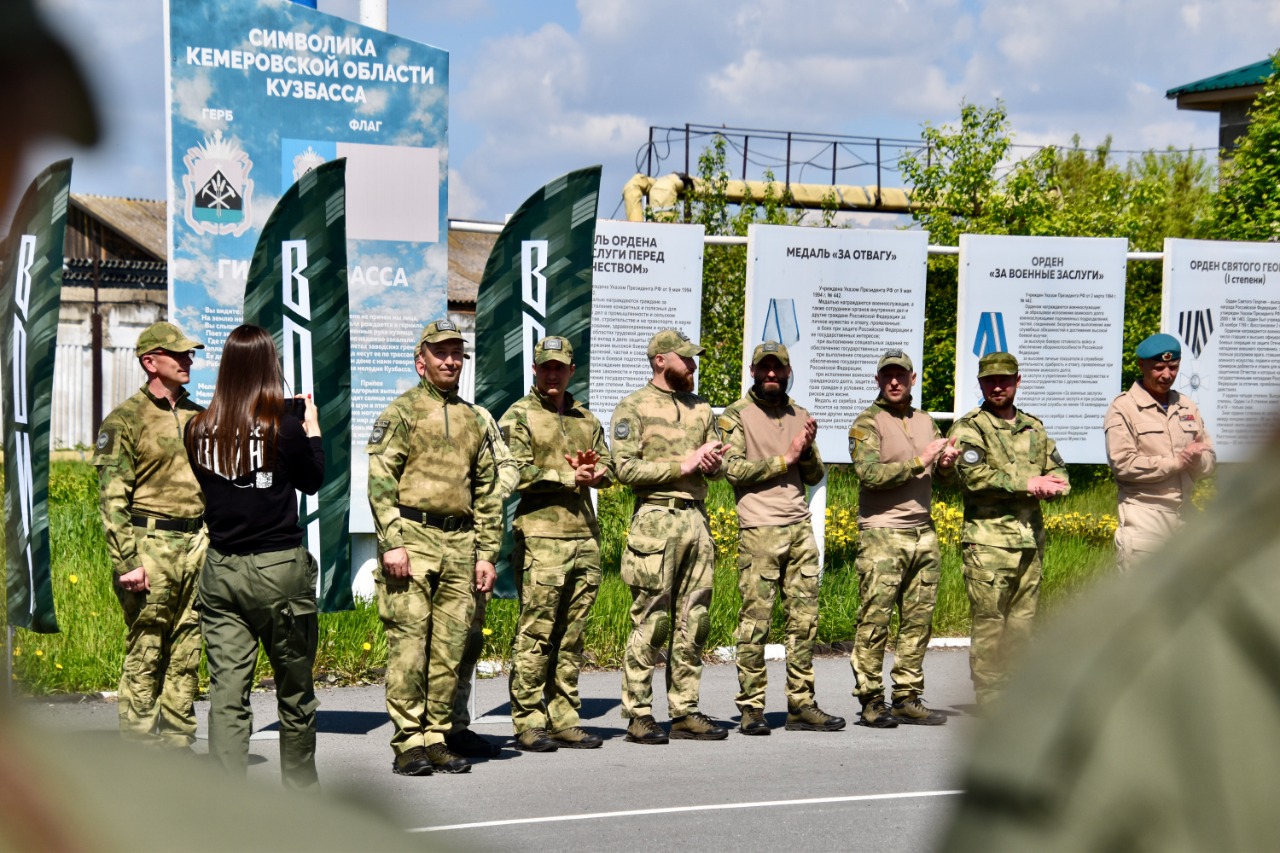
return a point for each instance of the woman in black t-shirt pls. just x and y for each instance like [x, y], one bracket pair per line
[250, 453]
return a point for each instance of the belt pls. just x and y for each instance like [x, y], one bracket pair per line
[672, 503]
[181, 525]
[447, 523]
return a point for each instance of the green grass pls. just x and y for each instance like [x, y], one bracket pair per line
[86, 655]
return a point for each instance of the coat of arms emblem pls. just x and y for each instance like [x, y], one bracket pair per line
[217, 187]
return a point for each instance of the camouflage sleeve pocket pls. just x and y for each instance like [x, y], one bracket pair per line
[642, 561]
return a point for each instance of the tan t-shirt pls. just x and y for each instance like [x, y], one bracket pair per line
[895, 488]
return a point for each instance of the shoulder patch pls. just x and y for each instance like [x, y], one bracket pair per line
[622, 429]
[379, 432]
[973, 455]
[1057, 457]
[106, 443]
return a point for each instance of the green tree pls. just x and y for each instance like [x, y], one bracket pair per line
[1247, 205]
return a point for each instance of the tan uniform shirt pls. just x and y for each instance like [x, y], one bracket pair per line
[895, 489]
[1143, 442]
[769, 492]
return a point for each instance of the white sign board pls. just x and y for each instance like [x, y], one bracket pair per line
[1222, 301]
[837, 298]
[647, 277]
[1057, 304]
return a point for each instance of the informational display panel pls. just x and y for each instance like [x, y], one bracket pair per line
[1222, 301]
[838, 299]
[1057, 303]
[260, 92]
[647, 276]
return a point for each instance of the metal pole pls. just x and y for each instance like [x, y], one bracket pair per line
[648, 167]
[95, 350]
[788, 184]
[878, 193]
[686, 148]
[746, 140]
[834, 148]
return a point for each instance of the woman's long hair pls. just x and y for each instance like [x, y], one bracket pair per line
[243, 417]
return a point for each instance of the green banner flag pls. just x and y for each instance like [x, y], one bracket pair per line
[31, 296]
[537, 282]
[297, 288]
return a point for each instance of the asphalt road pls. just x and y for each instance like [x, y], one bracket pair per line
[858, 789]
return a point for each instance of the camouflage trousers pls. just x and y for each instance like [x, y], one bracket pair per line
[460, 716]
[1004, 590]
[426, 618]
[162, 644]
[1142, 529]
[769, 559]
[896, 566]
[558, 580]
[265, 598]
[668, 564]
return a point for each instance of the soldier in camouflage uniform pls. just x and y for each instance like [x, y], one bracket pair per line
[436, 502]
[1007, 465]
[152, 511]
[461, 739]
[770, 459]
[562, 454]
[665, 445]
[896, 449]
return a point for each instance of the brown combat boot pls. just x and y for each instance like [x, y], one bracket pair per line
[645, 730]
[412, 762]
[753, 722]
[576, 737]
[697, 726]
[876, 714]
[445, 761]
[813, 719]
[535, 740]
[912, 711]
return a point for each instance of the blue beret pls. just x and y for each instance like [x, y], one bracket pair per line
[1162, 347]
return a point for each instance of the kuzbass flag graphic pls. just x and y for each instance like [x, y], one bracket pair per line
[537, 282]
[297, 289]
[31, 294]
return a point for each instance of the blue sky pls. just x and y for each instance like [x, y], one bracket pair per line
[539, 88]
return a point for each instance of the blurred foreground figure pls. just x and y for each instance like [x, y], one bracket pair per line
[1148, 718]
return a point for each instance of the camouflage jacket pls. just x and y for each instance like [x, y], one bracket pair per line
[758, 433]
[653, 431]
[539, 436]
[894, 487]
[997, 458]
[143, 469]
[433, 451]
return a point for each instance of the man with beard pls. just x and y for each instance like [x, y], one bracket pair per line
[896, 449]
[437, 507]
[770, 460]
[1007, 465]
[665, 445]
[1158, 448]
[562, 455]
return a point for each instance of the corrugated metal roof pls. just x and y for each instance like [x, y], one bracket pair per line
[139, 220]
[1248, 75]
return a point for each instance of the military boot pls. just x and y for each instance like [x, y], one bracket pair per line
[876, 714]
[412, 762]
[912, 711]
[575, 737]
[645, 730]
[445, 761]
[697, 726]
[535, 740]
[753, 722]
[813, 719]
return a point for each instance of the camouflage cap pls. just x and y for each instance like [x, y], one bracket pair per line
[1160, 347]
[773, 348]
[553, 348]
[895, 356]
[673, 340]
[438, 331]
[165, 336]
[997, 364]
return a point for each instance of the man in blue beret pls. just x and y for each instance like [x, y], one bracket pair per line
[1158, 448]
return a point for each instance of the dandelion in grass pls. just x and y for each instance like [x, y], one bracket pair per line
[58, 665]
[367, 647]
[488, 632]
[17, 653]
[39, 653]
[73, 579]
